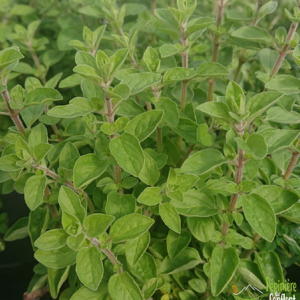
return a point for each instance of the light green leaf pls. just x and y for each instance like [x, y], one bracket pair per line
[279, 115]
[211, 70]
[187, 259]
[88, 168]
[38, 134]
[52, 239]
[144, 124]
[255, 145]
[42, 95]
[293, 215]
[196, 204]
[203, 162]
[17, 231]
[215, 109]
[122, 286]
[260, 216]
[224, 263]
[57, 259]
[96, 224]
[258, 104]
[119, 205]
[89, 267]
[34, 191]
[176, 243]
[201, 228]
[170, 216]
[286, 84]
[150, 172]
[69, 202]
[279, 198]
[9, 56]
[8, 163]
[135, 248]
[56, 278]
[178, 74]
[150, 196]
[253, 33]
[167, 50]
[140, 81]
[128, 152]
[77, 107]
[269, 265]
[130, 227]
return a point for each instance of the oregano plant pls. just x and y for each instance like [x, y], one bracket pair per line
[156, 144]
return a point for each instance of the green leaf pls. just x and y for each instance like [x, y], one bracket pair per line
[57, 259]
[203, 162]
[22, 10]
[129, 227]
[52, 239]
[89, 267]
[122, 286]
[171, 113]
[277, 139]
[69, 202]
[97, 224]
[117, 60]
[150, 196]
[38, 134]
[42, 95]
[198, 285]
[56, 278]
[224, 263]
[211, 70]
[8, 163]
[34, 191]
[258, 104]
[144, 124]
[88, 168]
[187, 129]
[88, 72]
[198, 24]
[260, 216]
[70, 81]
[286, 84]
[178, 74]
[201, 228]
[150, 172]
[255, 145]
[216, 109]
[9, 56]
[279, 198]
[168, 50]
[176, 243]
[135, 248]
[196, 204]
[119, 205]
[203, 136]
[77, 107]
[170, 216]
[187, 259]
[280, 115]
[140, 81]
[293, 215]
[269, 265]
[17, 231]
[128, 152]
[253, 33]
[41, 150]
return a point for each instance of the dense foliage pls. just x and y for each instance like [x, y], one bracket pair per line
[156, 144]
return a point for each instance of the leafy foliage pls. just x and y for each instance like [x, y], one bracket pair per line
[156, 147]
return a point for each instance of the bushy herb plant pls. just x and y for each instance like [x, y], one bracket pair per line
[164, 165]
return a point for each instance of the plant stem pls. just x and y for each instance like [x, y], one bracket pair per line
[111, 119]
[284, 49]
[187, 154]
[247, 253]
[259, 6]
[54, 127]
[67, 183]
[238, 70]
[238, 179]
[172, 3]
[36, 294]
[158, 130]
[52, 208]
[216, 45]
[13, 114]
[108, 253]
[36, 62]
[291, 166]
